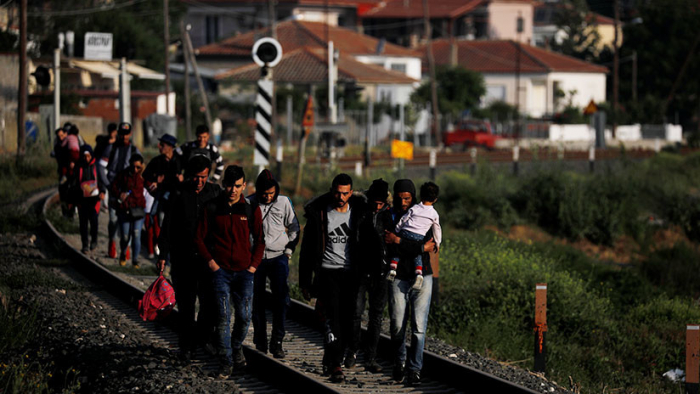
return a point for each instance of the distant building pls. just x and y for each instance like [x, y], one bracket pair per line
[214, 20]
[235, 52]
[544, 75]
[546, 31]
[401, 21]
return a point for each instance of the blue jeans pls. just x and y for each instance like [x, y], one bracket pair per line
[277, 269]
[418, 260]
[130, 231]
[232, 289]
[113, 221]
[401, 298]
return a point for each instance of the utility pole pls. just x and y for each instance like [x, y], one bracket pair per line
[270, 73]
[431, 66]
[634, 76]
[56, 89]
[519, 29]
[616, 68]
[166, 42]
[124, 93]
[22, 99]
[200, 85]
[188, 106]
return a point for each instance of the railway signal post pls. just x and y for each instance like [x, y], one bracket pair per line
[267, 53]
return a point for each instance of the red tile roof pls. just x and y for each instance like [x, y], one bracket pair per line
[501, 57]
[390, 9]
[308, 65]
[293, 35]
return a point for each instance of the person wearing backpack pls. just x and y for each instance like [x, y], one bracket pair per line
[281, 237]
[224, 243]
[191, 278]
[130, 207]
[91, 193]
[119, 159]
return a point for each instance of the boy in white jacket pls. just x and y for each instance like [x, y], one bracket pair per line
[415, 224]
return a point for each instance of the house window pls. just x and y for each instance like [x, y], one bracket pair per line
[212, 29]
[400, 67]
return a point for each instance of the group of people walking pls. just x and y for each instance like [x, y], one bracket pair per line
[358, 248]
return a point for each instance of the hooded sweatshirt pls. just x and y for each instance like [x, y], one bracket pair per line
[280, 223]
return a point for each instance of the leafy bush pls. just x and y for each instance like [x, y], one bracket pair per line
[596, 336]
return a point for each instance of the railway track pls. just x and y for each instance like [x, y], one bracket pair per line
[301, 369]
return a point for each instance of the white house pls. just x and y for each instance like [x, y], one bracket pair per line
[544, 75]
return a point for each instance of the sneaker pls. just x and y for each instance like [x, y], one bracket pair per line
[224, 372]
[350, 360]
[373, 366]
[418, 283]
[93, 245]
[84, 249]
[276, 350]
[238, 359]
[398, 373]
[413, 378]
[112, 251]
[151, 256]
[337, 376]
[136, 265]
[391, 275]
[122, 262]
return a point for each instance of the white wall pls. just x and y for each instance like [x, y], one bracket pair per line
[413, 64]
[588, 86]
[536, 102]
[582, 132]
[396, 94]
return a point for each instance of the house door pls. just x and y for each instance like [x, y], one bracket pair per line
[538, 104]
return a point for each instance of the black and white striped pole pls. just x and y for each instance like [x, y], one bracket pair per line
[267, 53]
[472, 153]
[516, 158]
[591, 159]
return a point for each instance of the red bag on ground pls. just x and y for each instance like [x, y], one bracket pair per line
[158, 301]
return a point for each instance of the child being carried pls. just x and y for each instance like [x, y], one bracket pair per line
[415, 224]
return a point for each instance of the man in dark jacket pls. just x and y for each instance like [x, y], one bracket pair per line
[161, 176]
[223, 240]
[371, 270]
[401, 295]
[119, 159]
[328, 254]
[281, 229]
[191, 278]
[202, 146]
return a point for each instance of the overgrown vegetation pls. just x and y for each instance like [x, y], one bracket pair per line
[37, 170]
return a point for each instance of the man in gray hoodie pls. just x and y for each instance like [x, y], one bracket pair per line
[281, 229]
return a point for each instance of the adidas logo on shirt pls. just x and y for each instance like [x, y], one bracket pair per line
[340, 235]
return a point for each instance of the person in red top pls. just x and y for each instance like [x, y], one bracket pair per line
[131, 202]
[233, 248]
[92, 191]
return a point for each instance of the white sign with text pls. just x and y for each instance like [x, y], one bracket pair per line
[98, 46]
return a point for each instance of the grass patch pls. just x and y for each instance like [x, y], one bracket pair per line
[36, 171]
[607, 325]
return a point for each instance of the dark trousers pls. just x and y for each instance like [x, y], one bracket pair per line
[277, 269]
[337, 292]
[374, 290]
[88, 214]
[191, 283]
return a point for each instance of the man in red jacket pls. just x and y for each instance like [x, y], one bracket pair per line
[224, 241]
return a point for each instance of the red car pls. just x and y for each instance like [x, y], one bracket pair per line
[471, 133]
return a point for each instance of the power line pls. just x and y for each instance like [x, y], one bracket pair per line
[86, 11]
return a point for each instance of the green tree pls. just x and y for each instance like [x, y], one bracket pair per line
[581, 37]
[137, 27]
[459, 89]
[663, 36]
